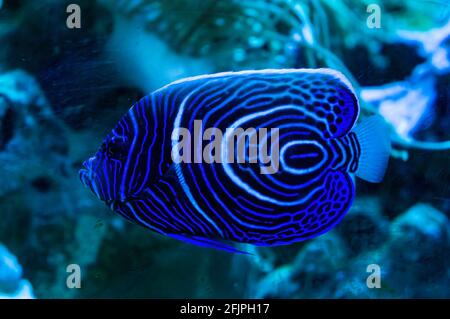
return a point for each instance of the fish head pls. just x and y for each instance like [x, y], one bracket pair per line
[104, 173]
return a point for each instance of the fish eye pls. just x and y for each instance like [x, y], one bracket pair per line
[113, 147]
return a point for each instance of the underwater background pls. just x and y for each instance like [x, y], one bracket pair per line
[62, 89]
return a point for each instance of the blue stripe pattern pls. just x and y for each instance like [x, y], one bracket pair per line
[314, 111]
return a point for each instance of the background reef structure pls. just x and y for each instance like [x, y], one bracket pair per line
[61, 90]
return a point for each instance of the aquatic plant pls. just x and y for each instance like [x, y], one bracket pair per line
[235, 33]
[289, 33]
[409, 103]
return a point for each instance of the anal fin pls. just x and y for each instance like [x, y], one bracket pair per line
[206, 242]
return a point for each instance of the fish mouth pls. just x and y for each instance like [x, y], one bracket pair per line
[113, 204]
[85, 174]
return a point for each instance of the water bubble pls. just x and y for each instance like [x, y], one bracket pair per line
[257, 27]
[239, 55]
[220, 22]
[290, 48]
[297, 37]
[255, 42]
[280, 59]
[275, 45]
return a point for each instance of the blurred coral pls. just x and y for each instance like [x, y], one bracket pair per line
[12, 286]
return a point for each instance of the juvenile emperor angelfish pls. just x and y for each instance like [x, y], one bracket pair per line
[309, 118]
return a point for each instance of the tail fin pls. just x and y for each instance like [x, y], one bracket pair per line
[375, 143]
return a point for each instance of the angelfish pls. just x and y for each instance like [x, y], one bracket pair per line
[216, 204]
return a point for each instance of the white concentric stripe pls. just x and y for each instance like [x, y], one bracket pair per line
[240, 183]
[308, 170]
[178, 170]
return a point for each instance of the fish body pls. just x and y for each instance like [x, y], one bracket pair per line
[211, 200]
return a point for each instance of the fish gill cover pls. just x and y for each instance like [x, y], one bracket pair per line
[67, 81]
